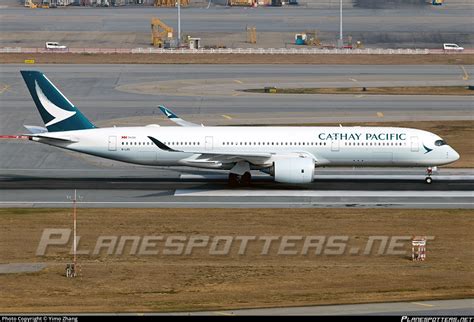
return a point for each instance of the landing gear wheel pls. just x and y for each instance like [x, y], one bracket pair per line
[233, 179]
[428, 180]
[246, 179]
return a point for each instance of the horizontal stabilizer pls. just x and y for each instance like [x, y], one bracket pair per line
[35, 129]
[54, 138]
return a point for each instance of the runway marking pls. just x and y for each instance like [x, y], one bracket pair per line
[465, 74]
[226, 117]
[236, 94]
[321, 193]
[422, 304]
[353, 79]
[380, 114]
[239, 203]
[5, 88]
[224, 313]
[238, 81]
[360, 96]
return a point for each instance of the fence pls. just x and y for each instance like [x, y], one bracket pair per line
[266, 51]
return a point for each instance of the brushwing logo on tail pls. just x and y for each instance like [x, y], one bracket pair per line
[58, 113]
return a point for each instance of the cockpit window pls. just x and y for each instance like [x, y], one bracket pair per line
[440, 142]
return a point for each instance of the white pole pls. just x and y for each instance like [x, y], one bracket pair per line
[340, 21]
[179, 22]
[75, 236]
[340, 42]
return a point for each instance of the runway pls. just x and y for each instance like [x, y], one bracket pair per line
[39, 175]
[151, 188]
[460, 307]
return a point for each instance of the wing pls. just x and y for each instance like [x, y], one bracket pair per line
[210, 157]
[175, 118]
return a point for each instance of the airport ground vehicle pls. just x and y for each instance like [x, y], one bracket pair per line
[54, 45]
[452, 47]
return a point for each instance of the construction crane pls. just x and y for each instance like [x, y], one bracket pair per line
[160, 32]
[170, 3]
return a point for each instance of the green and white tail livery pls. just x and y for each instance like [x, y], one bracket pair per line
[57, 112]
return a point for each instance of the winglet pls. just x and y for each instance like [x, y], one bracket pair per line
[169, 114]
[175, 118]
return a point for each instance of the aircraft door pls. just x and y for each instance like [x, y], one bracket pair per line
[335, 145]
[112, 143]
[208, 143]
[415, 146]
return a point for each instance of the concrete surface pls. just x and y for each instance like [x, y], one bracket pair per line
[396, 27]
[461, 307]
[148, 187]
[13, 268]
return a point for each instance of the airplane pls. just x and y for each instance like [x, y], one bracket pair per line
[289, 154]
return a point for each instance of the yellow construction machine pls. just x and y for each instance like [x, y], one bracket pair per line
[30, 4]
[160, 32]
[170, 3]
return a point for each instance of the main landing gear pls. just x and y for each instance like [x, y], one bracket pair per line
[429, 172]
[236, 180]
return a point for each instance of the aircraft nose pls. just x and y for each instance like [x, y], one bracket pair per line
[453, 155]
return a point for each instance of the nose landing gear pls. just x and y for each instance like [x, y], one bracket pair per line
[429, 172]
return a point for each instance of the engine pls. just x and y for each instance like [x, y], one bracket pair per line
[293, 170]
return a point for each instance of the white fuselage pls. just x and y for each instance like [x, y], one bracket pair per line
[329, 146]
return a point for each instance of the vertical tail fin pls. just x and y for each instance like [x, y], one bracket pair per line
[57, 112]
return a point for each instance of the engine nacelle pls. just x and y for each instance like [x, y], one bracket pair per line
[293, 170]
